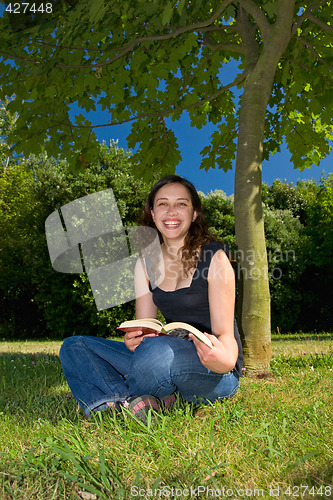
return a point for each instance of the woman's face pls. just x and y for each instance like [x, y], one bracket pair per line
[173, 211]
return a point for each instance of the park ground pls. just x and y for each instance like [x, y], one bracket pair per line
[272, 439]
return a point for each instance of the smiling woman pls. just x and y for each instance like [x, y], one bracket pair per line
[187, 203]
[197, 287]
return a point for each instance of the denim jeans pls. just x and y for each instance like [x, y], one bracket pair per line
[99, 371]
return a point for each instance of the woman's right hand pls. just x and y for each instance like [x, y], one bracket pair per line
[134, 338]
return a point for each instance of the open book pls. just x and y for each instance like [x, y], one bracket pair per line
[175, 329]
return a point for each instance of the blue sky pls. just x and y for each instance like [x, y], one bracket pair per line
[191, 141]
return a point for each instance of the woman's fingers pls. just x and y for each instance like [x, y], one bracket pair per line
[134, 338]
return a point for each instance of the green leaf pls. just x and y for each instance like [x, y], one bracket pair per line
[97, 10]
[167, 13]
[180, 6]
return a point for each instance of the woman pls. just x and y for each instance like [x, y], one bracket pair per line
[197, 287]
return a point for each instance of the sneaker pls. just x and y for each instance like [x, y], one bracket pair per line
[168, 401]
[141, 406]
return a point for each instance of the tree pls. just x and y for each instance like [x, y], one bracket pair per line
[318, 278]
[35, 300]
[219, 212]
[147, 62]
[299, 232]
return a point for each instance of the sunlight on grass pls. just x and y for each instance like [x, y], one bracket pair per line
[273, 434]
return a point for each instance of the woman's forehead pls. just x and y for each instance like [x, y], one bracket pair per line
[173, 191]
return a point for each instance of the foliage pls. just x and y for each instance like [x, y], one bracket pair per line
[284, 196]
[219, 210]
[145, 62]
[17, 248]
[318, 252]
[319, 220]
[284, 236]
[7, 124]
[299, 231]
[36, 300]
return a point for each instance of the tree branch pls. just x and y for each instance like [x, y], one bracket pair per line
[303, 17]
[166, 142]
[221, 27]
[56, 46]
[257, 14]
[179, 31]
[309, 69]
[239, 48]
[247, 32]
[307, 44]
[233, 47]
[195, 105]
[20, 58]
[321, 24]
[218, 28]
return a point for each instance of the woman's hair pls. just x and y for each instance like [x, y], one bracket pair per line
[198, 232]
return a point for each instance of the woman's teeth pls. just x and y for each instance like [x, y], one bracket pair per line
[171, 224]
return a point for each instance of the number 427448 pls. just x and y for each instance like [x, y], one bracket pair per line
[29, 8]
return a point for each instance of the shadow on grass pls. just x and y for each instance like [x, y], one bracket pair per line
[33, 386]
[318, 480]
[298, 337]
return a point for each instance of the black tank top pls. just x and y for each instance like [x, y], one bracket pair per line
[190, 304]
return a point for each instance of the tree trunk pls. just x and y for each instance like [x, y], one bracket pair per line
[254, 296]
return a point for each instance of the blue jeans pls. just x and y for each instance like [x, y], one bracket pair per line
[99, 371]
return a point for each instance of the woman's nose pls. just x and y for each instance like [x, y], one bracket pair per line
[172, 209]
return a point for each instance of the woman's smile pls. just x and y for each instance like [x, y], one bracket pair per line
[172, 224]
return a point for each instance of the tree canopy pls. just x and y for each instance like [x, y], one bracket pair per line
[146, 61]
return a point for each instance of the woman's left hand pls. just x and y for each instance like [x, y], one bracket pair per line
[220, 358]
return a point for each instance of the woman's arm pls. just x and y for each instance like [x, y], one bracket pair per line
[144, 305]
[221, 295]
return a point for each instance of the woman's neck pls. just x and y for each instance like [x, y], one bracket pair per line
[171, 248]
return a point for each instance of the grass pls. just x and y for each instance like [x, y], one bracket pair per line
[272, 439]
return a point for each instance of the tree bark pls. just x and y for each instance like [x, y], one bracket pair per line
[254, 296]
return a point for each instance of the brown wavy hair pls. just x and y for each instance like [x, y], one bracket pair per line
[198, 232]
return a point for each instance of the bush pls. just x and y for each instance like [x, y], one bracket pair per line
[35, 300]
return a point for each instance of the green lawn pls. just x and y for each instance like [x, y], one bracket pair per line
[272, 439]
